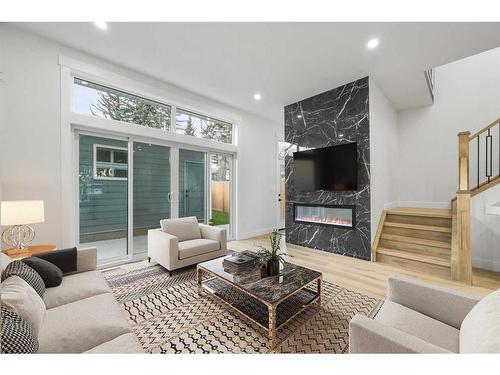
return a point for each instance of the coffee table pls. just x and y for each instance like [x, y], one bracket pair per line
[270, 302]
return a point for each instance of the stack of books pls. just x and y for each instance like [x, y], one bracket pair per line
[240, 262]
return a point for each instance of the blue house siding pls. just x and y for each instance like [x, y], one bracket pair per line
[151, 186]
[103, 203]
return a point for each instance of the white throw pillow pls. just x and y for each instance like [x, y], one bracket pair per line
[480, 330]
[19, 296]
[4, 261]
[184, 229]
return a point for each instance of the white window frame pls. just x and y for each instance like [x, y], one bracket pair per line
[73, 123]
[110, 164]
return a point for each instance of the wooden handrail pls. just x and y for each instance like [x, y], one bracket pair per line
[484, 129]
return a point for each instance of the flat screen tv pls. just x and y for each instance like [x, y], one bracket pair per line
[332, 168]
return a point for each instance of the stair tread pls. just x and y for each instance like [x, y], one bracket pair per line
[424, 258]
[432, 228]
[425, 212]
[420, 241]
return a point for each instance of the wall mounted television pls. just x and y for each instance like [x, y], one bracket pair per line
[332, 168]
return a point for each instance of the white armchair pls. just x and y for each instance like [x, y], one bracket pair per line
[419, 317]
[183, 242]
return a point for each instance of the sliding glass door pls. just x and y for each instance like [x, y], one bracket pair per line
[151, 192]
[103, 196]
[127, 187]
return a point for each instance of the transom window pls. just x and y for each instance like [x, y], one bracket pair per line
[110, 163]
[200, 126]
[100, 101]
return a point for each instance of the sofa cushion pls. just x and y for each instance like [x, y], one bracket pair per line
[21, 298]
[76, 287]
[51, 274]
[25, 272]
[419, 325]
[82, 325]
[480, 330]
[127, 343]
[4, 261]
[65, 259]
[16, 334]
[184, 229]
[192, 248]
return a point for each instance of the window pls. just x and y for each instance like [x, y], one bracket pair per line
[110, 163]
[200, 126]
[100, 101]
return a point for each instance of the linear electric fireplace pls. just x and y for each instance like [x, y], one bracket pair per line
[319, 214]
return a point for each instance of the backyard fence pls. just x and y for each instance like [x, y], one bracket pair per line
[220, 196]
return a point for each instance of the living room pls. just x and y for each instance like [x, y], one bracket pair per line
[225, 187]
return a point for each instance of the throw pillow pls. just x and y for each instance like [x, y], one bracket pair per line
[184, 229]
[480, 330]
[65, 259]
[25, 272]
[50, 273]
[16, 335]
[18, 296]
[4, 261]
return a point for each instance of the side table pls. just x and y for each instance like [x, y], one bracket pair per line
[29, 251]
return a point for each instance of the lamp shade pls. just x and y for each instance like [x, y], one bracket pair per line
[21, 212]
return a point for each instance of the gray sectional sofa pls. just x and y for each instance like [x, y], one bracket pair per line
[82, 314]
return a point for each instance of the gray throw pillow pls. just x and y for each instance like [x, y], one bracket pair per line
[51, 274]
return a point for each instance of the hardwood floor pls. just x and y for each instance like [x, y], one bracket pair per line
[364, 276]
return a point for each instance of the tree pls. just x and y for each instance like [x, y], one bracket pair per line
[139, 111]
[189, 129]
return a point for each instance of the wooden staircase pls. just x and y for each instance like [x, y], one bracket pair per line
[417, 239]
[437, 241]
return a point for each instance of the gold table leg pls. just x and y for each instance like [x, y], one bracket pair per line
[199, 279]
[320, 290]
[272, 326]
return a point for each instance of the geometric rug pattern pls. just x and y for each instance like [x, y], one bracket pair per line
[168, 316]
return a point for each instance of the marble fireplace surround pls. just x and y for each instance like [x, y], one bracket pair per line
[331, 118]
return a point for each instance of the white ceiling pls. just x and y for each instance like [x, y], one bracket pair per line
[285, 62]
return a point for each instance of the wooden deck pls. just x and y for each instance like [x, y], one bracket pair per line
[365, 276]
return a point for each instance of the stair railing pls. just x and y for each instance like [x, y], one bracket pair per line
[485, 148]
[481, 153]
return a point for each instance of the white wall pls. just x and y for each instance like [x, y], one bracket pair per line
[384, 153]
[30, 153]
[467, 97]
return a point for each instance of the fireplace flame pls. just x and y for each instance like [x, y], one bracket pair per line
[324, 220]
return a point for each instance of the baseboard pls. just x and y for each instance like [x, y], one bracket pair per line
[417, 204]
[486, 264]
[255, 233]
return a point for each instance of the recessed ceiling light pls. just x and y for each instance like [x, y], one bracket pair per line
[299, 116]
[101, 25]
[257, 96]
[372, 43]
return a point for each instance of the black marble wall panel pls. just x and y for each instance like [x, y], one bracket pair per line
[331, 118]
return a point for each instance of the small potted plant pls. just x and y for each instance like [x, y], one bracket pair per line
[271, 258]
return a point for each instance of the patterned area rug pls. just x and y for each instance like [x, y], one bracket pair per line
[168, 316]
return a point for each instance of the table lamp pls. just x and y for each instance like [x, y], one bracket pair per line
[17, 215]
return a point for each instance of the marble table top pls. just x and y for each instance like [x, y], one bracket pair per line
[268, 289]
